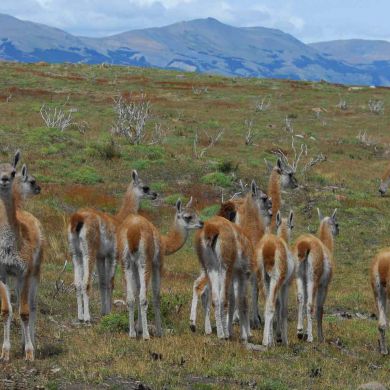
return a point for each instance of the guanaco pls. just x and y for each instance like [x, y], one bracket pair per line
[380, 283]
[276, 266]
[314, 269]
[225, 254]
[92, 239]
[16, 259]
[141, 251]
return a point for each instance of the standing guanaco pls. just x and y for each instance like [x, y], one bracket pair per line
[314, 269]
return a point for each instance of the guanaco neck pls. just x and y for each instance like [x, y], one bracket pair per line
[250, 220]
[8, 205]
[175, 238]
[275, 194]
[325, 235]
[130, 203]
[283, 232]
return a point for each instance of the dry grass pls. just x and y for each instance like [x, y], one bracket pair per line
[69, 354]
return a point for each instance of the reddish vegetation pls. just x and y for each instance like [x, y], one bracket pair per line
[84, 195]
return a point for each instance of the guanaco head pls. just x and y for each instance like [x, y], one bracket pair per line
[385, 182]
[263, 202]
[288, 179]
[330, 221]
[187, 216]
[27, 184]
[284, 225]
[142, 190]
[8, 173]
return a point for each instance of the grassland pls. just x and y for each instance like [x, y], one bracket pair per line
[76, 169]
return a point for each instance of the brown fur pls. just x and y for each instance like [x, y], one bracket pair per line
[230, 236]
[386, 173]
[250, 220]
[25, 249]
[380, 267]
[4, 300]
[325, 235]
[274, 193]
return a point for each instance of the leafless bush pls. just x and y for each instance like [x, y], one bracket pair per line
[212, 140]
[82, 126]
[199, 90]
[250, 135]
[132, 116]
[309, 163]
[376, 106]
[342, 104]
[158, 135]
[56, 117]
[288, 125]
[263, 104]
[365, 139]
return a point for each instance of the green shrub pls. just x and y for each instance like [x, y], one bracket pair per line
[106, 149]
[160, 186]
[115, 323]
[218, 179]
[210, 211]
[44, 136]
[85, 175]
[227, 166]
[171, 199]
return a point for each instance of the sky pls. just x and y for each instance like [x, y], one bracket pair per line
[307, 20]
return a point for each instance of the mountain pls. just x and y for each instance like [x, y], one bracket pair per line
[355, 51]
[202, 45]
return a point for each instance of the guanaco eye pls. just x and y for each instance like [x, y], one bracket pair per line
[13, 173]
[188, 218]
[146, 189]
[33, 182]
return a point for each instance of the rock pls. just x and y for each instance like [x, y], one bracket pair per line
[372, 386]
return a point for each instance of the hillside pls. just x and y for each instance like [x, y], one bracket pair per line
[202, 45]
[85, 166]
[355, 51]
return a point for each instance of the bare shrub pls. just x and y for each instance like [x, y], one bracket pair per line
[56, 117]
[299, 153]
[365, 139]
[199, 90]
[132, 116]
[158, 135]
[250, 134]
[376, 106]
[263, 104]
[342, 104]
[212, 140]
[288, 125]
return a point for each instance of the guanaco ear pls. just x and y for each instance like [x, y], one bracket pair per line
[254, 188]
[189, 204]
[16, 158]
[319, 214]
[134, 175]
[178, 205]
[291, 219]
[278, 219]
[334, 214]
[268, 165]
[279, 165]
[24, 173]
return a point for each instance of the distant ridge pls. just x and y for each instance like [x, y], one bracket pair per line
[204, 45]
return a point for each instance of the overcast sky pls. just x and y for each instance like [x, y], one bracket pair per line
[308, 20]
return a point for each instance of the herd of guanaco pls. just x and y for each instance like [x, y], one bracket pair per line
[246, 244]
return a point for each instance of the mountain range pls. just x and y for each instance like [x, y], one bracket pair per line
[204, 45]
